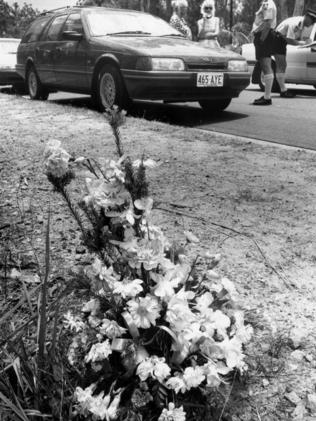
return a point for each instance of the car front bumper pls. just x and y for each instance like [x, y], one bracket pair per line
[181, 86]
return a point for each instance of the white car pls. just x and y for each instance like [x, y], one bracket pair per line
[301, 64]
[8, 74]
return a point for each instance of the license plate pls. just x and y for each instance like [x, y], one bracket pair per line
[210, 79]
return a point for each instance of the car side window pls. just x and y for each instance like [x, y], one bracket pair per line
[55, 28]
[74, 23]
[34, 31]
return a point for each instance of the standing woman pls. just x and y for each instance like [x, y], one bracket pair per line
[208, 26]
[178, 18]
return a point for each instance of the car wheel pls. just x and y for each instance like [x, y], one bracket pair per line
[215, 105]
[110, 89]
[35, 88]
[275, 86]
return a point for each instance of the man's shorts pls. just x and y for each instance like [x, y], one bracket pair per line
[274, 43]
[264, 48]
[279, 44]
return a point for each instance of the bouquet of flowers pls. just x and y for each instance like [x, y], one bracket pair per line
[156, 336]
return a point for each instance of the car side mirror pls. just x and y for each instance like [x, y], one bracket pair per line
[72, 35]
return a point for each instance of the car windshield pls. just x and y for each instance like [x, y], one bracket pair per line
[110, 22]
[8, 47]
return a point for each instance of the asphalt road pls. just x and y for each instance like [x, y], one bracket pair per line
[288, 121]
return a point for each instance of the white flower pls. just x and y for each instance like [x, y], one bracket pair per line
[56, 159]
[149, 253]
[193, 376]
[145, 204]
[230, 288]
[92, 307]
[221, 322]
[99, 352]
[84, 398]
[106, 195]
[162, 370]
[103, 408]
[144, 311]
[232, 351]
[212, 372]
[73, 322]
[128, 288]
[167, 282]
[111, 329]
[204, 301]
[176, 383]
[172, 413]
[242, 332]
[178, 311]
[153, 367]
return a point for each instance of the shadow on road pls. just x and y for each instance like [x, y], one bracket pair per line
[297, 91]
[180, 114]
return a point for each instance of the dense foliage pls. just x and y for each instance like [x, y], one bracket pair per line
[14, 20]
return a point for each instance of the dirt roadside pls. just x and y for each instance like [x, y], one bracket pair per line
[255, 204]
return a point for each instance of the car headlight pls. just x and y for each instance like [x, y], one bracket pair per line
[160, 64]
[167, 64]
[237, 66]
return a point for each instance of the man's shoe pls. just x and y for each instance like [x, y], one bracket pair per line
[262, 101]
[287, 94]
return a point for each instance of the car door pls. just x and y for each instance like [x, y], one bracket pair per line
[71, 56]
[45, 50]
[296, 64]
[311, 60]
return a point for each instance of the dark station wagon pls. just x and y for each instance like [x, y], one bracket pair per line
[118, 55]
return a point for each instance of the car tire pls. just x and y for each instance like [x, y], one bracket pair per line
[34, 85]
[275, 86]
[110, 89]
[215, 105]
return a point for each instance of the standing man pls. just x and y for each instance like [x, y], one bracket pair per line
[265, 22]
[294, 31]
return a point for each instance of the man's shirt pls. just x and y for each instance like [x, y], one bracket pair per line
[293, 28]
[267, 12]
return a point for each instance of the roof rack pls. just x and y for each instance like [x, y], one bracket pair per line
[46, 12]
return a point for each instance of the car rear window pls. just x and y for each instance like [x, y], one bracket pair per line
[34, 31]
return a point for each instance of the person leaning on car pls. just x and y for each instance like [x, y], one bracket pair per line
[264, 23]
[294, 31]
[178, 18]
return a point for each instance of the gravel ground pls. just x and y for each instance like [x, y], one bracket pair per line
[255, 204]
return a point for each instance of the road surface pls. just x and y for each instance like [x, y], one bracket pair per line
[288, 121]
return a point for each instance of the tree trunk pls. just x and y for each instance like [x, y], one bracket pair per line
[298, 8]
[283, 10]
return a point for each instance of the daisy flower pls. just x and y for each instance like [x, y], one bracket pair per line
[172, 413]
[144, 311]
[193, 376]
[128, 288]
[99, 352]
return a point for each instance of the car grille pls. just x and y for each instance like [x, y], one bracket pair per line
[195, 67]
